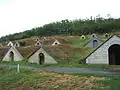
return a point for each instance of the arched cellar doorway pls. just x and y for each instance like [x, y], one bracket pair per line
[114, 54]
[11, 56]
[95, 43]
[41, 58]
[56, 43]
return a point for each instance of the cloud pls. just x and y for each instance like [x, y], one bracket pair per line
[20, 15]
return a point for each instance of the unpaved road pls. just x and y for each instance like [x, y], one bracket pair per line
[68, 70]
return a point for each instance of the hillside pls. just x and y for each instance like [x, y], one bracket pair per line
[71, 50]
[67, 27]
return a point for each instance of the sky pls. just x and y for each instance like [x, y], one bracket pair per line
[20, 15]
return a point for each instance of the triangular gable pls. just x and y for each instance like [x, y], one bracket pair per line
[55, 42]
[91, 42]
[17, 55]
[94, 35]
[34, 58]
[101, 52]
[37, 39]
[83, 37]
[106, 35]
[10, 44]
[17, 44]
[38, 43]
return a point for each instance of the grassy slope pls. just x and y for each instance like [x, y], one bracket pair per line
[70, 53]
[72, 49]
[75, 51]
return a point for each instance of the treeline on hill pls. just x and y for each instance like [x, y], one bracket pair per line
[70, 27]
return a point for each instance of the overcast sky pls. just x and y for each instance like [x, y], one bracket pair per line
[21, 15]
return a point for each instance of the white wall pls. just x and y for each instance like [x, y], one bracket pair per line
[35, 57]
[17, 55]
[100, 56]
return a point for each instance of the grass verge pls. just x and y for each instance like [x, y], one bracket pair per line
[43, 80]
[70, 65]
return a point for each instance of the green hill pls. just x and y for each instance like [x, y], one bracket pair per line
[68, 27]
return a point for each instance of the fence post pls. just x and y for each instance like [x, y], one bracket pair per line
[18, 68]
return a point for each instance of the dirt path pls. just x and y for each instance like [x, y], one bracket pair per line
[69, 70]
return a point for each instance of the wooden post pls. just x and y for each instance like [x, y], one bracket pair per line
[18, 68]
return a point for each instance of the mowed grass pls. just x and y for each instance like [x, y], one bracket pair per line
[70, 65]
[43, 80]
